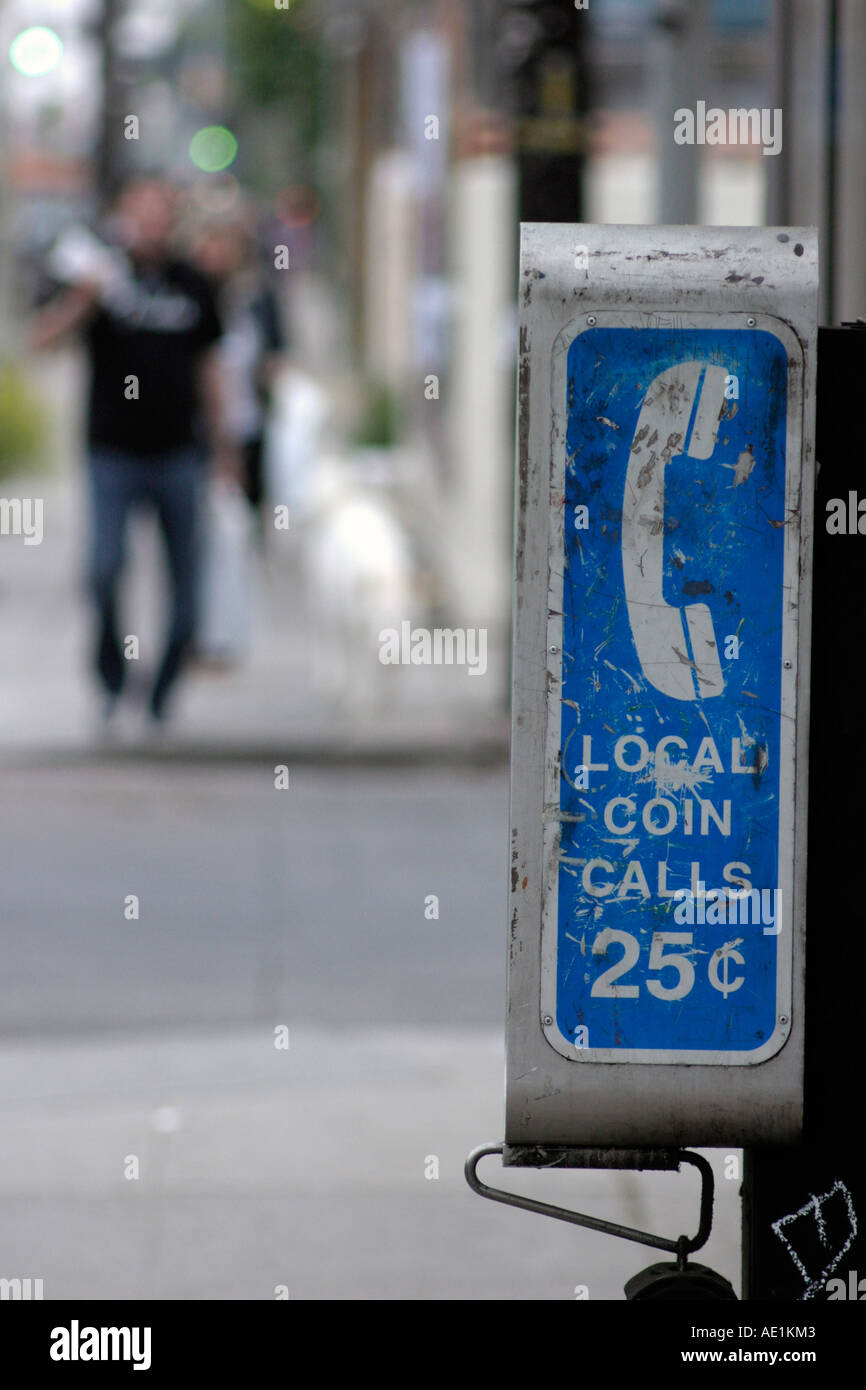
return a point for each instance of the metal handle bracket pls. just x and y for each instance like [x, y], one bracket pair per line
[577, 1158]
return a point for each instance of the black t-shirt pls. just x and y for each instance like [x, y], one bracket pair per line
[154, 328]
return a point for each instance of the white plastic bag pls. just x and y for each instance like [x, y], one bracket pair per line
[225, 603]
[78, 255]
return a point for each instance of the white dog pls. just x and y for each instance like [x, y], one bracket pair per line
[358, 566]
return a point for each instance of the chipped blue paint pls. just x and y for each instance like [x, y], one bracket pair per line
[722, 544]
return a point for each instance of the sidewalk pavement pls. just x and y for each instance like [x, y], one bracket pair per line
[304, 1168]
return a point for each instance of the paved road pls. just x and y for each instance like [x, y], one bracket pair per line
[255, 904]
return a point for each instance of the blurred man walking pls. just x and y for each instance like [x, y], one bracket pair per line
[151, 328]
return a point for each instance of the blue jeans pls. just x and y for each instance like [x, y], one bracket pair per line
[172, 484]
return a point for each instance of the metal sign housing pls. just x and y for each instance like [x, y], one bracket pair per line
[660, 698]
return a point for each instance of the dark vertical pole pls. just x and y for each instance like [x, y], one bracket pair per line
[107, 160]
[832, 128]
[804, 1218]
[778, 175]
[678, 57]
[541, 66]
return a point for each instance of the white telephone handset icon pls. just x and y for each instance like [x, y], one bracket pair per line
[662, 634]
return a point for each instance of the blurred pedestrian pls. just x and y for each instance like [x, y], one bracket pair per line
[252, 345]
[151, 329]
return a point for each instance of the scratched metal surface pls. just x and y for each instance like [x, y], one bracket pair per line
[716, 526]
[582, 387]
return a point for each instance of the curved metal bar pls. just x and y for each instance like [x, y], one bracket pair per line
[708, 1188]
[595, 1223]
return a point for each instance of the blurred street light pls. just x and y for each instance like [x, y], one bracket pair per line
[213, 148]
[35, 51]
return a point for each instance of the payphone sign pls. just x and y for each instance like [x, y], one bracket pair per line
[670, 930]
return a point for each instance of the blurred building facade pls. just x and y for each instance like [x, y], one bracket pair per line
[394, 146]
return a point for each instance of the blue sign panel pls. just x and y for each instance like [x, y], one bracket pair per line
[669, 916]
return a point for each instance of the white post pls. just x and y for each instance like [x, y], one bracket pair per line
[391, 247]
[483, 250]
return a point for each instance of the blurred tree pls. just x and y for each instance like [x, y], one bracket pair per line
[277, 62]
[23, 430]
